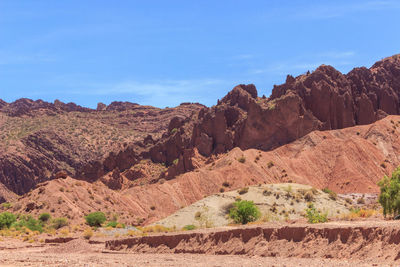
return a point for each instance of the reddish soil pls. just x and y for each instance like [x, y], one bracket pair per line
[346, 160]
[362, 243]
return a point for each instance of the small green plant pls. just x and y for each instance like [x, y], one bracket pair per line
[244, 212]
[243, 191]
[242, 159]
[6, 219]
[44, 217]
[95, 218]
[314, 216]
[332, 195]
[189, 227]
[175, 162]
[58, 223]
[115, 224]
[174, 130]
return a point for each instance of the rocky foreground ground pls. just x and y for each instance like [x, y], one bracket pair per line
[360, 243]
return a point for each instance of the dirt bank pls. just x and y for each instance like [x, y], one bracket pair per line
[355, 241]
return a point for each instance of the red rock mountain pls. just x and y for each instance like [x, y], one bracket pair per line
[322, 100]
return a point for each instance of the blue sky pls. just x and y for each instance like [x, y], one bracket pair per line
[163, 53]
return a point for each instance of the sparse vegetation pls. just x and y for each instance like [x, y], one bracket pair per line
[95, 218]
[242, 159]
[44, 217]
[58, 223]
[332, 195]
[6, 219]
[270, 164]
[175, 162]
[244, 212]
[389, 196]
[88, 233]
[314, 216]
[243, 191]
[189, 227]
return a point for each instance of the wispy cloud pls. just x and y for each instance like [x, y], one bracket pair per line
[156, 93]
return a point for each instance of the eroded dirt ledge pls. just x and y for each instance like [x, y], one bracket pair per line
[358, 241]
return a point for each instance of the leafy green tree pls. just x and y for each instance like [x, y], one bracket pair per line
[389, 196]
[6, 219]
[244, 211]
[95, 218]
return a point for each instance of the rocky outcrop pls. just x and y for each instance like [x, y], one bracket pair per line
[322, 100]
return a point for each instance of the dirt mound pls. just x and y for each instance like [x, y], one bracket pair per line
[276, 202]
[355, 242]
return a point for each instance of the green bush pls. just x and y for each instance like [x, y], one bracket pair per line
[244, 212]
[44, 217]
[389, 196]
[189, 227]
[57, 223]
[29, 222]
[314, 216]
[95, 218]
[6, 219]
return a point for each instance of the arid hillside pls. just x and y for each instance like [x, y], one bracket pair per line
[346, 160]
[38, 139]
[134, 148]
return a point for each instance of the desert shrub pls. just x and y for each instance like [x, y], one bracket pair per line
[270, 164]
[332, 195]
[348, 200]
[389, 196]
[359, 213]
[189, 227]
[197, 215]
[88, 233]
[221, 190]
[152, 207]
[314, 216]
[44, 217]
[57, 223]
[244, 212]
[267, 192]
[115, 224]
[243, 191]
[361, 201]
[6, 205]
[242, 159]
[174, 130]
[95, 218]
[309, 196]
[6, 219]
[29, 222]
[175, 162]
[225, 184]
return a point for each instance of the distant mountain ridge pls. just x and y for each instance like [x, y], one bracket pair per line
[119, 136]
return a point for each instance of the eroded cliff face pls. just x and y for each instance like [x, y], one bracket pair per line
[322, 100]
[191, 134]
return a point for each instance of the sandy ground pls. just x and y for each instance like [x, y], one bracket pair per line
[79, 252]
[36, 257]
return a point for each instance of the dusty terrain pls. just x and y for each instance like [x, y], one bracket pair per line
[364, 243]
